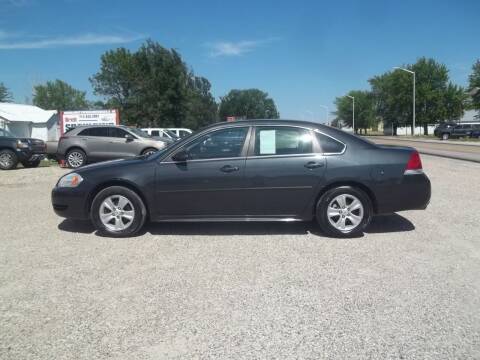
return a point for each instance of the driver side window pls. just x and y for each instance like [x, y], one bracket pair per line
[226, 143]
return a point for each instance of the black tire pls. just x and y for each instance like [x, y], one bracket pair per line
[75, 158]
[149, 150]
[350, 192]
[31, 164]
[8, 159]
[445, 136]
[139, 217]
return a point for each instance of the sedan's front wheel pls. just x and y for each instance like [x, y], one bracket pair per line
[344, 211]
[118, 212]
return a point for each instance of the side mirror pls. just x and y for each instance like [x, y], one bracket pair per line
[128, 137]
[180, 156]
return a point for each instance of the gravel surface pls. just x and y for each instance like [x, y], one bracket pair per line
[408, 289]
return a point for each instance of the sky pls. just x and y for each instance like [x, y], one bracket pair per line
[303, 53]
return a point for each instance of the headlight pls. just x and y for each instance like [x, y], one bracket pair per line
[22, 144]
[70, 180]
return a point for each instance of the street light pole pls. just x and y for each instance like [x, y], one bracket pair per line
[326, 110]
[413, 73]
[353, 112]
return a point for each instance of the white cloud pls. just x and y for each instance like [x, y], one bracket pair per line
[76, 40]
[228, 48]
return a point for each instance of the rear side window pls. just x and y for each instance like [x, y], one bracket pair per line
[329, 145]
[96, 131]
[155, 133]
[282, 140]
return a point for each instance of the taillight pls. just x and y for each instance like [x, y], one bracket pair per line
[414, 165]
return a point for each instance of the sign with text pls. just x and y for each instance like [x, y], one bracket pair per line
[72, 119]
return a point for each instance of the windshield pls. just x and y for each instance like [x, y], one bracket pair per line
[6, 133]
[139, 132]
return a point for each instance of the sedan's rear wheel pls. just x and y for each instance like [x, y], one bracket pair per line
[118, 212]
[344, 211]
[8, 159]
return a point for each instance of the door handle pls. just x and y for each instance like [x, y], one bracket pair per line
[313, 165]
[229, 168]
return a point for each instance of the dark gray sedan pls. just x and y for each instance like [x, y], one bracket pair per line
[256, 170]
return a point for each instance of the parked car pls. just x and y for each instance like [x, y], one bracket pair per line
[446, 131]
[159, 133]
[475, 131]
[180, 132]
[257, 170]
[13, 149]
[85, 144]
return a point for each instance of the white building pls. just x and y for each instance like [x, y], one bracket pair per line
[29, 121]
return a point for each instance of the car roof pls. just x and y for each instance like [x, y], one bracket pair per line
[328, 130]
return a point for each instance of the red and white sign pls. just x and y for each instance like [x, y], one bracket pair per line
[72, 119]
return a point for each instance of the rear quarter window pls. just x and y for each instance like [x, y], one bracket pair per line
[329, 145]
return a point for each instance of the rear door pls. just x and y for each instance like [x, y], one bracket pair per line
[284, 168]
[95, 142]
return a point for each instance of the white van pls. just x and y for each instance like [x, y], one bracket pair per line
[180, 132]
[161, 133]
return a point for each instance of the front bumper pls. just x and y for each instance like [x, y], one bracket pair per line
[70, 202]
[413, 192]
[29, 155]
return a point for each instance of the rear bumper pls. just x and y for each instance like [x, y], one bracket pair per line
[412, 193]
[70, 203]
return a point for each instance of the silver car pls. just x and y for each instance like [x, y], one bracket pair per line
[85, 144]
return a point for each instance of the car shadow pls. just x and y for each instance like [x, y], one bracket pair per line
[380, 224]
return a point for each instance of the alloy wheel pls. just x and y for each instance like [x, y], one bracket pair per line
[75, 159]
[6, 160]
[345, 212]
[116, 213]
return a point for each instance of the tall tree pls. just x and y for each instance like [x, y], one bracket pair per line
[437, 99]
[364, 110]
[249, 104]
[5, 94]
[154, 87]
[474, 85]
[58, 95]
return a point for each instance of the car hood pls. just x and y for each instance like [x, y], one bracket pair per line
[110, 164]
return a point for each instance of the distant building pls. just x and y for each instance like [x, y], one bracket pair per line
[29, 121]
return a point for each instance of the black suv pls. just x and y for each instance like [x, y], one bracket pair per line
[25, 150]
[452, 130]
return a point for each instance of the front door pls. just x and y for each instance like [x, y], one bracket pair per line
[210, 183]
[283, 171]
[119, 146]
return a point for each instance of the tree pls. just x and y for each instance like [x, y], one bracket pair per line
[202, 108]
[58, 95]
[437, 99]
[249, 104]
[154, 87]
[364, 110]
[474, 85]
[5, 94]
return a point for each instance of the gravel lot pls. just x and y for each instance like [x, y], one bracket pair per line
[409, 289]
